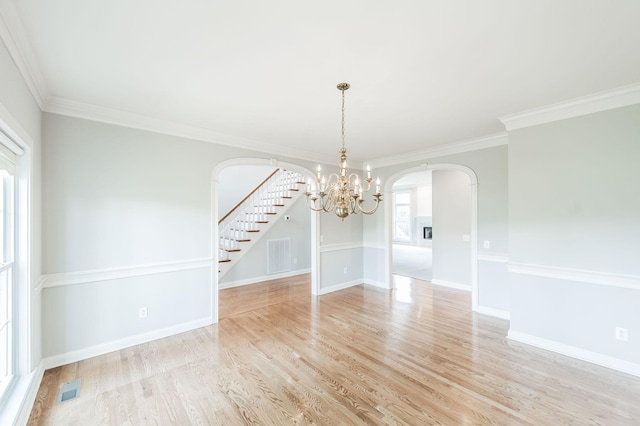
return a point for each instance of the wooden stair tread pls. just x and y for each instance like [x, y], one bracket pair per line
[231, 250]
[224, 261]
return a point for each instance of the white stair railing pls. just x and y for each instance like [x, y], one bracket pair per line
[245, 218]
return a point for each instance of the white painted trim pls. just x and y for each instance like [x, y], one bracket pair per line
[498, 313]
[373, 245]
[10, 144]
[13, 129]
[379, 284]
[256, 280]
[602, 101]
[30, 397]
[493, 257]
[337, 287]
[85, 277]
[14, 37]
[102, 114]
[341, 246]
[575, 352]
[577, 275]
[22, 395]
[450, 284]
[38, 289]
[116, 345]
[475, 144]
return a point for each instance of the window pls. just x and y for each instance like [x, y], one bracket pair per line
[14, 277]
[402, 216]
[6, 280]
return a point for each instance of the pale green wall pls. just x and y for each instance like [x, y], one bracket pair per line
[117, 197]
[451, 220]
[574, 207]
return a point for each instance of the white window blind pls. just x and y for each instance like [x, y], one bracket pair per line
[9, 151]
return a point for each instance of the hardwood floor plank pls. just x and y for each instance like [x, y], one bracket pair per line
[414, 355]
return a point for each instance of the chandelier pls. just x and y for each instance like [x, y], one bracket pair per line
[342, 192]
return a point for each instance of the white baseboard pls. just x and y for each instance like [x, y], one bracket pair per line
[340, 286]
[574, 352]
[459, 286]
[498, 313]
[116, 345]
[256, 280]
[380, 284]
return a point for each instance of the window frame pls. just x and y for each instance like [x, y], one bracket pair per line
[411, 191]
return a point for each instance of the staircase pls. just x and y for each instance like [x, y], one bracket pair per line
[239, 229]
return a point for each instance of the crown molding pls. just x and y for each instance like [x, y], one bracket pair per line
[489, 141]
[14, 37]
[601, 101]
[101, 114]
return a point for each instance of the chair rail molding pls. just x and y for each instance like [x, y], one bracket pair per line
[86, 277]
[577, 275]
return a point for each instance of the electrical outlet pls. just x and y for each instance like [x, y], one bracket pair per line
[345, 270]
[487, 244]
[295, 260]
[466, 237]
[622, 334]
[142, 312]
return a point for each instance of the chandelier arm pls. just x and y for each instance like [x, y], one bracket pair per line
[377, 197]
[354, 205]
[311, 203]
[329, 203]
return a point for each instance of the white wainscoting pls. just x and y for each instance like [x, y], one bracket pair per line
[62, 281]
[492, 280]
[608, 281]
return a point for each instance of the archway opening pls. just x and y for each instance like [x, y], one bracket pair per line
[465, 238]
[283, 221]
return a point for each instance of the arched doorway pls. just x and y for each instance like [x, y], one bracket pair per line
[314, 228]
[473, 236]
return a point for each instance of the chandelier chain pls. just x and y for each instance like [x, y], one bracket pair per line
[342, 192]
[343, 118]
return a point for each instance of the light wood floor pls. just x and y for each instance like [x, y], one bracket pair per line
[416, 355]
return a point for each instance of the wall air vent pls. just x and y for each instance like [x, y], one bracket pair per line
[279, 256]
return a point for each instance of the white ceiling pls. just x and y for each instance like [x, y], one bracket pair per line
[257, 73]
